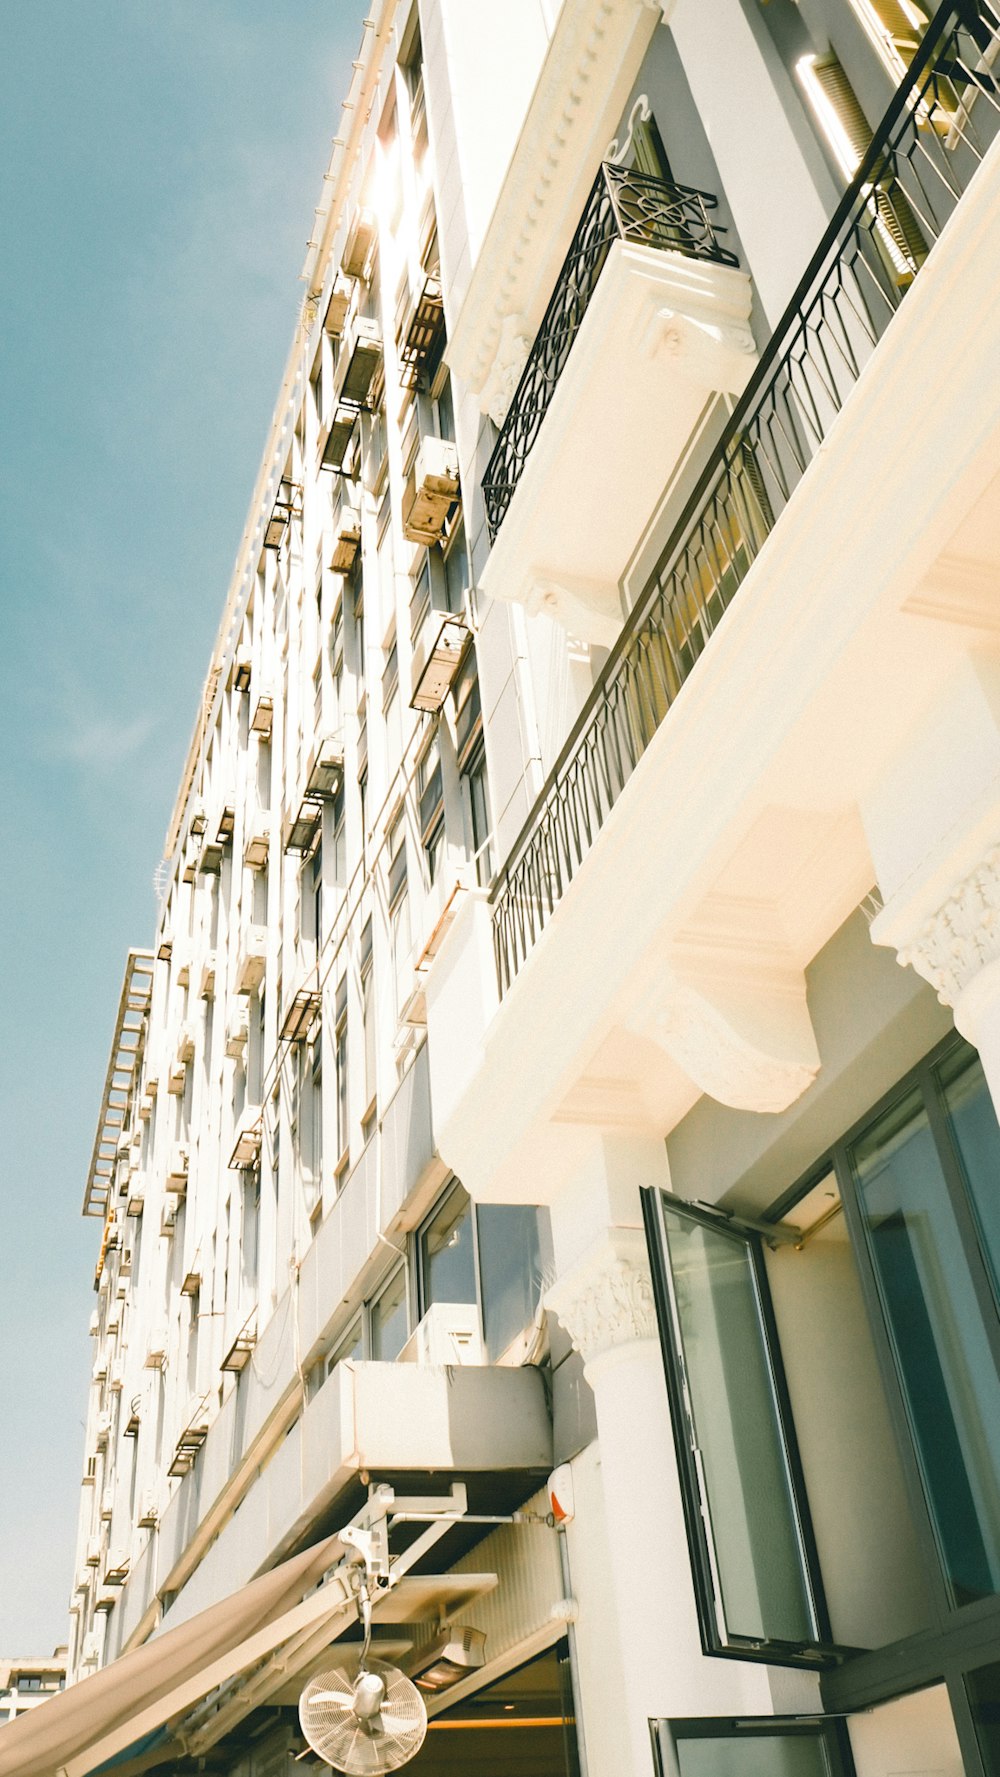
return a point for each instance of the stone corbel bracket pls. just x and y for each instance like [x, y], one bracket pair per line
[742, 1034]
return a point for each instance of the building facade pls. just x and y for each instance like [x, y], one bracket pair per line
[26, 1683]
[571, 1036]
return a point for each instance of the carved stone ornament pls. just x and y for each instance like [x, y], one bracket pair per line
[607, 1300]
[963, 936]
[505, 373]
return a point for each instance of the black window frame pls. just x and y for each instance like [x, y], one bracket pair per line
[709, 1604]
[963, 1638]
[830, 1729]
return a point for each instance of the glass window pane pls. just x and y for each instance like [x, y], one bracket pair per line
[448, 1265]
[940, 1345]
[740, 1448]
[977, 1136]
[983, 1687]
[754, 1755]
[509, 1271]
[388, 1323]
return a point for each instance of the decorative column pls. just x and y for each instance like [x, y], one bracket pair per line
[957, 950]
[606, 1305]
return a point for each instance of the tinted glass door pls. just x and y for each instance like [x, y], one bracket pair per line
[778, 1746]
[938, 1311]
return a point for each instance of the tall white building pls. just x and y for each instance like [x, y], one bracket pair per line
[522, 1076]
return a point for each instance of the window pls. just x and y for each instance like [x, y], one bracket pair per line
[472, 766]
[747, 1517]
[388, 1319]
[352, 1345]
[446, 1253]
[343, 1100]
[430, 791]
[367, 974]
[834, 1391]
[456, 568]
[771, 1746]
[487, 1254]
[399, 911]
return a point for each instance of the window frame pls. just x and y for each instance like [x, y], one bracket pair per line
[830, 1729]
[717, 1641]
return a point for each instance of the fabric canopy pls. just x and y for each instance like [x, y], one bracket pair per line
[123, 1706]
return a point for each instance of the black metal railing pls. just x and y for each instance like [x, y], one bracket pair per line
[622, 206]
[921, 160]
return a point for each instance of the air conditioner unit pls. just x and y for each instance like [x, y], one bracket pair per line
[242, 670]
[146, 1107]
[125, 1262]
[176, 1180]
[252, 960]
[191, 1281]
[337, 307]
[185, 1042]
[135, 1202]
[257, 844]
[210, 858]
[107, 1505]
[131, 1427]
[238, 1033]
[149, 1512]
[168, 1218]
[176, 1079]
[152, 1085]
[93, 1647]
[325, 768]
[103, 1430]
[199, 819]
[246, 1147]
[99, 1373]
[95, 1322]
[431, 488]
[206, 988]
[183, 971]
[359, 361]
[165, 948]
[116, 1568]
[347, 541]
[191, 1438]
[238, 1355]
[117, 1375]
[449, 1334]
[93, 1555]
[263, 714]
[105, 1600]
[225, 825]
[113, 1318]
[156, 1349]
[435, 665]
[335, 438]
[359, 243]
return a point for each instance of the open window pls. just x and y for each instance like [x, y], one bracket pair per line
[764, 1746]
[753, 1555]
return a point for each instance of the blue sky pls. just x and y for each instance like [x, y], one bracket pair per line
[159, 167]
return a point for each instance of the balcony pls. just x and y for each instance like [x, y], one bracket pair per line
[827, 578]
[923, 157]
[596, 428]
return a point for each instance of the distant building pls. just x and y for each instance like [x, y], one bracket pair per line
[26, 1683]
[606, 704]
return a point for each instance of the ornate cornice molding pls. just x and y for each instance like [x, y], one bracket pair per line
[607, 1299]
[595, 52]
[962, 936]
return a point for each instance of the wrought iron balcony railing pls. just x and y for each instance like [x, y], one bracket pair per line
[924, 155]
[622, 206]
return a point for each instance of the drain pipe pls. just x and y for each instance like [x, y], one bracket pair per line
[574, 1670]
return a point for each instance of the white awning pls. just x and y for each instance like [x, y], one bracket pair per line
[72, 1734]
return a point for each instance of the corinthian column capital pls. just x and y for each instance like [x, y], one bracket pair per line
[607, 1299]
